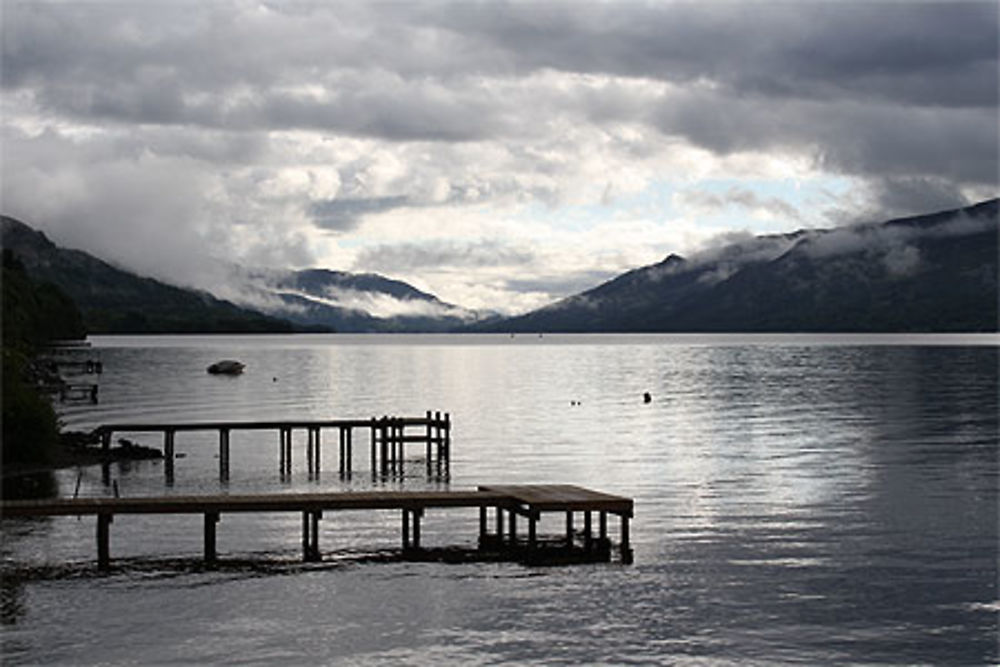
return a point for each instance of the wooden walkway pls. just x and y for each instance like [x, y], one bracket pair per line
[507, 501]
[388, 438]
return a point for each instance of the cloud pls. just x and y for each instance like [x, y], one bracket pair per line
[409, 257]
[165, 135]
[345, 214]
[712, 203]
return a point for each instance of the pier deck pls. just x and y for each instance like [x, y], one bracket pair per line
[527, 501]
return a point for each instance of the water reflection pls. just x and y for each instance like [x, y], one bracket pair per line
[794, 502]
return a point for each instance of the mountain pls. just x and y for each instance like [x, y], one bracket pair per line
[350, 302]
[113, 300]
[933, 272]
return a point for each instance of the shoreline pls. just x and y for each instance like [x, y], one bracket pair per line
[77, 450]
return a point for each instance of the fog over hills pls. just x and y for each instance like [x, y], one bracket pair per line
[115, 300]
[926, 273]
[348, 302]
[933, 272]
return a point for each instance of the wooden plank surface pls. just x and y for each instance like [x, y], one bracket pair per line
[538, 498]
[252, 503]
[568, 497]
[142, 427]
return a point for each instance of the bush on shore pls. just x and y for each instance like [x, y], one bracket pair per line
[33, 315]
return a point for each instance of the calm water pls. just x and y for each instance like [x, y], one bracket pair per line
[798, 499]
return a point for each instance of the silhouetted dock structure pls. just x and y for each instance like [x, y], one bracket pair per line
[508, 502]
[388, 439]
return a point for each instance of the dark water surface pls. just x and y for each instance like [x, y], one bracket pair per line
[798, 500]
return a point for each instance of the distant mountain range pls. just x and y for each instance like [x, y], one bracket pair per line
[114, 300]
[925, 273]
[349, 302]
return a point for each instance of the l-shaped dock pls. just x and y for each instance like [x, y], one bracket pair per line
[507, 502]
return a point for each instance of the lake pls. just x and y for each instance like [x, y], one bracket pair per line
[799, 499]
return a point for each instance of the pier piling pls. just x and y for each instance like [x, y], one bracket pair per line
[388, 439]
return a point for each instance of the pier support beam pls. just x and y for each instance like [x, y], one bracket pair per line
[285, 451]
[411, 539]
[310, 536]
[103, 541]
[482, 526]
[224, 455]
[313, 447]
[430, 439]
[626, 548]
[168, 455]
[346, 450]
[211, 518]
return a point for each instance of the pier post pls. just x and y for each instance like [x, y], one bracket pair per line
[310, 458]
[106, 441]
[318, 450]
[396, 446]
[406, 530]
[569, 530]
[499, 516]
[417, 515]
[349, 456]
[447, 440]
[342, 450]
[440, 441]
[374, 463]
[384, 446]
[512, 520]
[310, 535]
[211, 518]
[103, 546]
[603, 526]
[588, 538]
[430, 437]
[285, 447]
[223, 454]
[532, 536]
[168, 455]
[281, 451]
[482, 526]
[626, 548]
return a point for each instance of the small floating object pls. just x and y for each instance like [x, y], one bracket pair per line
[226, 367]
[646, 398]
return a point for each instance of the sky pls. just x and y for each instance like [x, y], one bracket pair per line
[497, 154]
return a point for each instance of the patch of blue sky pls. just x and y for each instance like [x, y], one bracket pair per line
[658, 203]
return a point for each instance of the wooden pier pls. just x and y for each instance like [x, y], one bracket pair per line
[508, 502]
[388, 439]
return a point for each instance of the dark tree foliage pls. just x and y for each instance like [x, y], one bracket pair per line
[33, 314]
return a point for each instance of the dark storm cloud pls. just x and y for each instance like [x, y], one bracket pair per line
[202, 67]
[937, 54]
